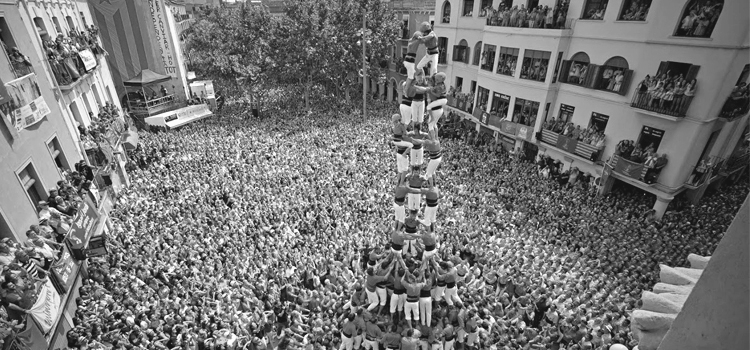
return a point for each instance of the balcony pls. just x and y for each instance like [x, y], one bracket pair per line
[635, 171]
[503, 19]
[658, 103]
[462, 102]
[21, 69]
[573, 146]
[735, 106]
[152, 106]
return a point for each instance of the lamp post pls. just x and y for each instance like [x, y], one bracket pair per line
[364, 63]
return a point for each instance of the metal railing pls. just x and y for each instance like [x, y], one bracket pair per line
[655, 102]
[735, 107]
[151, 106]
[66, 71]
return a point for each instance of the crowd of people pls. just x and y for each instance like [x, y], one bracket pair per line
[738, 102]
[62, 53]
[233, 236]
[637, 10]
[700, 18]
[665, 92]
[590, 135]
[532, 17]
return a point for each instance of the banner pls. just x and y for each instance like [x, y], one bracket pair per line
[28, 106]
[524, 132]
[203, 88]
[566, 144]
[83, 226]
[161, 27]
[508, 127]
[606, 173]
[64, 270]
[46, 307]
[89, 61]
[628, 168]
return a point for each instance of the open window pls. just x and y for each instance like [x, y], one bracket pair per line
[71, 23]
[488, 57]
[405, 27]
[57, 154]
[535, 64]
[483, 96]
[576, 69]
[446, 12]
[507, 61]
[566, 112]
[41, 28]
[56, 22]
[461, 52]
[31, 185]
[500, 104]
[613, 76]
[443, 48]
[459, 84]
[650, 137]
[594, 9]
[486, 7]
[634, 10]
[699, 18]
[468, 9]
[598, 121]
[525, 111]
[477, 54]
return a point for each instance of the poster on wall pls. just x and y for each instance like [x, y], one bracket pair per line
[161, 27]
[47, 306]
[89, 61]
[27, 106]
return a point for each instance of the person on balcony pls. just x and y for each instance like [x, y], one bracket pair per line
[689, 93]
[19, 61]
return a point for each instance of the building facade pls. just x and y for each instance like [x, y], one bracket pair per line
[55, 87]
[522, 76]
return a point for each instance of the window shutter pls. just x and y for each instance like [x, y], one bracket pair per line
[662, 68]
[692, 73]
[564, 71]
[455, 53]
[628, 76]
[593, 76]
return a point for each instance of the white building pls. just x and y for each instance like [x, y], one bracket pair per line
[539, 72]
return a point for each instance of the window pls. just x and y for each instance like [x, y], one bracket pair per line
[57, 155]
[95, 91]
[557, 67]
[31, 184]
[468, 8]
[459, 84]
[473, 86]
[41, 28]
[634, 10]
[477, 54]
[57, 24]
[488, 57]
[5, 230]
[500, 104]
[443, 47]
[447, 12]
[699, 18]
[615, 76]
[532, 4]
[535, 65]
[650, 137]
[432, 21]
[83, 19]
[578, 69]
[483, 95]
[598, 121]
[71, 24]
[405, 27]
[566, 113]
[485, 8]
[507, 62]
[594, 9]
[461, 52]
[525, 112]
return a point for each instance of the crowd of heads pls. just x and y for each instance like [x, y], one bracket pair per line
[532, 17]
[590, 135]
[233, 224]
[62, 53]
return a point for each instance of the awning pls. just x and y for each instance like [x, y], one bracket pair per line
[147, 77]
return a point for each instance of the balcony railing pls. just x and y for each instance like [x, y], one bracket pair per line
[636, 171]
[66, 71]
[571, 145]
[734, 107]
[659, 103]
[152, 106]
[559, 21]
[462, 104]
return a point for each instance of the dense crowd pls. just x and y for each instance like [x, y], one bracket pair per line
[532, 17]
[245, 232]
[63, 53]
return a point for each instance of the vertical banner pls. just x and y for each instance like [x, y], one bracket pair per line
[524, 132]
[161, 27]
[88, 59]
[46, 307]
[27, 106]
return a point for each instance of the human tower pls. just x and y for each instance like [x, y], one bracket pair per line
[408, 274]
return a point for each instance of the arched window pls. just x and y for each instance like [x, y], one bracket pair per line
[581, 57]
[477, 53]
[446, 12]
[579, 65]
[461, 52]
[699, 18]
[617, 62]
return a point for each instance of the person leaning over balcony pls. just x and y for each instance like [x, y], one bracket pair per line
[689, 93]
